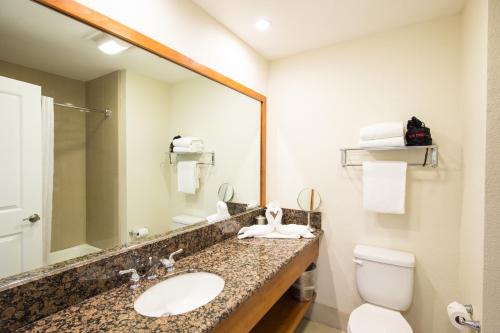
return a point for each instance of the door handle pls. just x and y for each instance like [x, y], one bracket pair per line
[33, 218]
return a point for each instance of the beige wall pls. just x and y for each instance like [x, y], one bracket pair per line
[491, 319]
[318, 100]
[187, 28]
[229, 124]
[147, 143]
[102, 161]
[68, 217]
[474, 34]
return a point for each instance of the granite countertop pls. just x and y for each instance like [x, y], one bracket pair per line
[246, 265]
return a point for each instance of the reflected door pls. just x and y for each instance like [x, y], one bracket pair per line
[20, 177]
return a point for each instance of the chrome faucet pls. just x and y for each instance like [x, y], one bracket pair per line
[169, 263]
[134, 278]
[151, 272]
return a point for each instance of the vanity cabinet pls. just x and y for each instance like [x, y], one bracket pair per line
[271, 308]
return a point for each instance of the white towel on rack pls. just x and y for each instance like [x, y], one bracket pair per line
[382, 131]
[187, 141]
[187, 177]
[384, 187]
[191, 149]
[389, 142]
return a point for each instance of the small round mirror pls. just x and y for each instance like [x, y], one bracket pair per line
[309, 199]
[226, 192]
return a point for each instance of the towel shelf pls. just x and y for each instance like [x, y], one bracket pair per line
[172, 157]
[431, 160]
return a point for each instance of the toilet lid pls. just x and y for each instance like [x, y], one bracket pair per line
[370, 318]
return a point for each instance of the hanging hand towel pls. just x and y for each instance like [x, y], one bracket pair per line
[384, 187]
[187, 177]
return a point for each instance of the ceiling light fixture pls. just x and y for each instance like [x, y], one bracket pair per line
[110, 45]
[263, 24]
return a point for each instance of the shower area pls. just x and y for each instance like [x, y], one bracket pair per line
[80, 167]
[85, 177]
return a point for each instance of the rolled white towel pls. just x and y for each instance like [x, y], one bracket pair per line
[216, 218]
[390, 142]
[294, 229]
[187, 141]
[255, 230]
[382, 131]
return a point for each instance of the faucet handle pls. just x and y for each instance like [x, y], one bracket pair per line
[171, 257]
[134, 278]
[169, 263]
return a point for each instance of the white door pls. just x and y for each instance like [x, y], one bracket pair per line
[20, 176]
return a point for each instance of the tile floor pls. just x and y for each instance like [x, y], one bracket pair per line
[307, 326]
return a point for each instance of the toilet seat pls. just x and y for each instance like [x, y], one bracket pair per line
[369, 318]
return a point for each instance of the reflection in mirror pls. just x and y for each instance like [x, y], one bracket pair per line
[226, 192]
[309, 200]
[103, 173]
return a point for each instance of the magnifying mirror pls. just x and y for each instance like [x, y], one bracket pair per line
[309, 200]
[226, 192]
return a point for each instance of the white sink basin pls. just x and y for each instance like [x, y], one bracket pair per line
[179, 294]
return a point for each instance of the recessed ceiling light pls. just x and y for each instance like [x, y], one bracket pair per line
[110, 45]
[263, 24]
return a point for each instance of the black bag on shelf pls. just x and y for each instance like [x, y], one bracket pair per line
[417, 134]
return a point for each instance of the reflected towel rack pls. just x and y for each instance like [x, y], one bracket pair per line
[107, 113]
[172, 157]
[431, 160]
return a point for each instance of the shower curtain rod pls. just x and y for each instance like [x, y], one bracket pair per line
[107, 113]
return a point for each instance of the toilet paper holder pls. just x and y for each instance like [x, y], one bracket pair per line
[474, 324]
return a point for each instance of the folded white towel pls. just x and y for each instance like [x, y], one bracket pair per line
[274, 214]
[384, 187]
[275, 234]
[274, 228]
[382, 131]
[191, 149]
[187, 176]
[390, 142]
[187, 141]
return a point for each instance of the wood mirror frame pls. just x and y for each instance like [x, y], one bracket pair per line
[99, 21]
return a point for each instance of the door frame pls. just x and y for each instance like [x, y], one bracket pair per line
[99, 21]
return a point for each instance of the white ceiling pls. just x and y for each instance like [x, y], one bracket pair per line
[36, 37]
[299, 25]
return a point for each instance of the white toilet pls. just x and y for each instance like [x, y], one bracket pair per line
[181, 221]
[385, 281]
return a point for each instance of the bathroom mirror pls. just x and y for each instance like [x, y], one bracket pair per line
[86, 124]
[309, 199]
[226, 192]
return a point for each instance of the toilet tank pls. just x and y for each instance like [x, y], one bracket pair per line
[384, 277]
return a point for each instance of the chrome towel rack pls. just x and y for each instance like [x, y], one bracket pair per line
[172, 157]
[430, 157]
